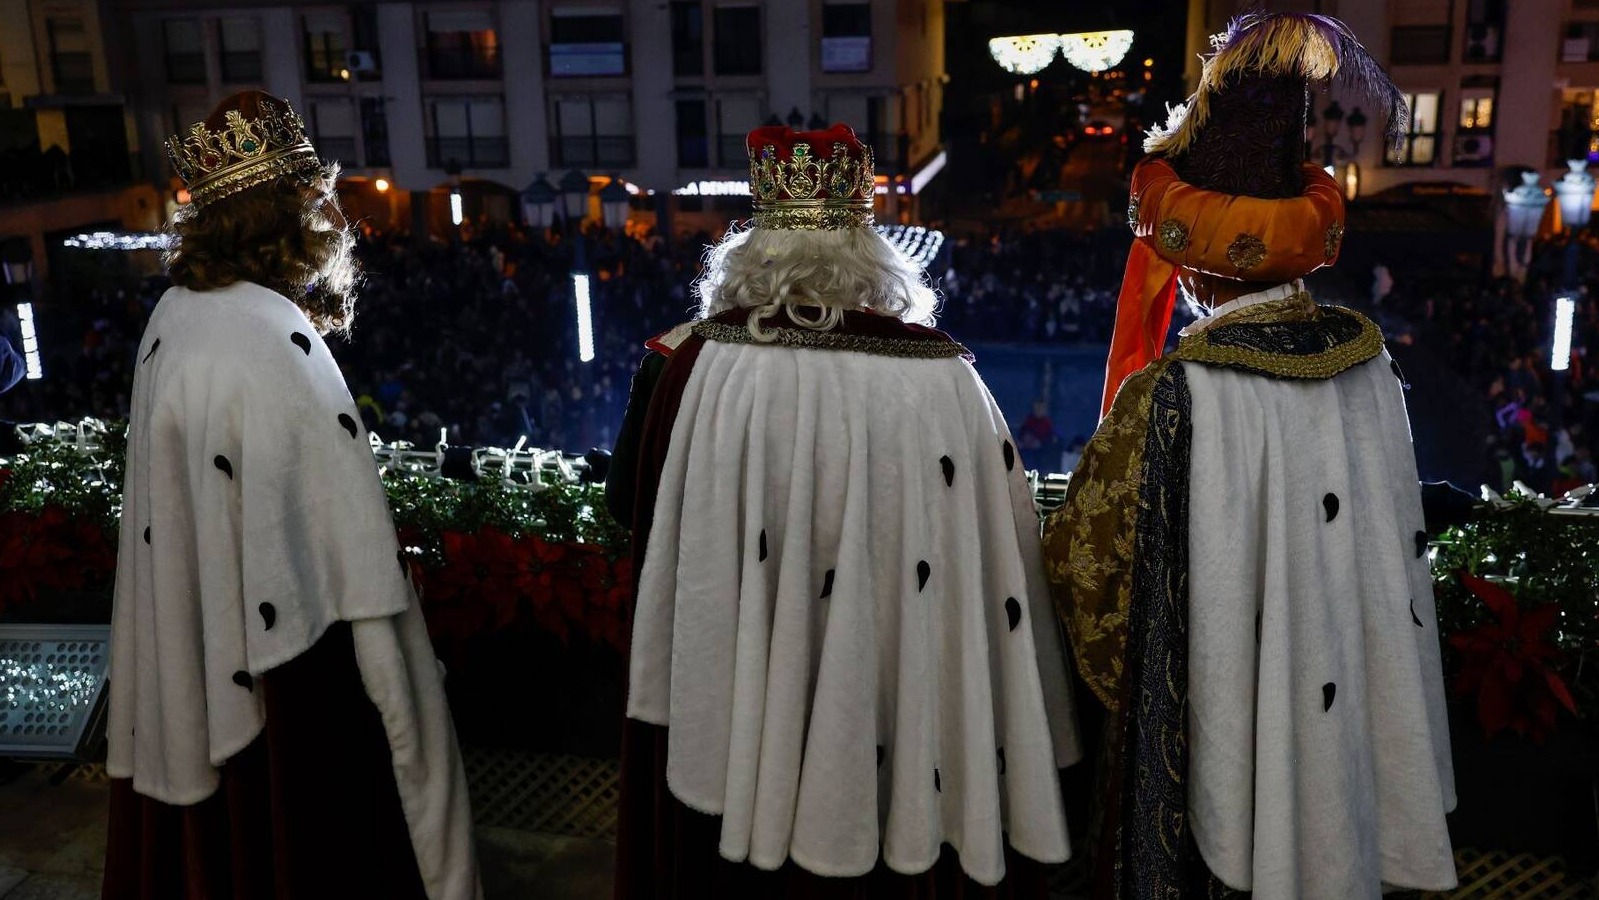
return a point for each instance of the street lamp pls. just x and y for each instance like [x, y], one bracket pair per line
[538, 203]
[1524, 205]
[574, 196]
[614, 204]
[1575, 190]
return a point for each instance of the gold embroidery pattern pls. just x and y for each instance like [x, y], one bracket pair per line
[1246, 252]
[1173, 236]
[826, 340]
[1089, 541]
[1132, 212]
[1335, 239]
[1276, 358]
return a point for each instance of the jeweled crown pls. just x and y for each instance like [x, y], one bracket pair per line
[810, 180]
[250, 138]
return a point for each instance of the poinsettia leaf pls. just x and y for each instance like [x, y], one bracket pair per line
[1557, 686]
[1499, 600]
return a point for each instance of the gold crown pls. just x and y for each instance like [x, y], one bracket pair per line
[245, 153]
[811, 193]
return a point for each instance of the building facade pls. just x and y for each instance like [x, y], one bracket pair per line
[1491, 84]
[69, 154]
[484, 97]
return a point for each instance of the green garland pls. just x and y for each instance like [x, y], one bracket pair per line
[89, 485]
[1543, 559]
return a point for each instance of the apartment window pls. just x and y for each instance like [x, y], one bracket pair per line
[375, 131]
[1419, 45]
[688, 39]
[1485, 31]
[1581, 43]
[332, 122]
[462, 45]
[1420, 145]
[468, 131]
[185, 50]
[693, 143]
[241, 51]
[324, 46]
[735, 118]
[738, 40]
[587, 44]
[1474, 143]
[70, 62]
[593, 130]
[846, 37]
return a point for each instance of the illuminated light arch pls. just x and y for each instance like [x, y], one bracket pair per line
[1024, 54]
[1095, 51]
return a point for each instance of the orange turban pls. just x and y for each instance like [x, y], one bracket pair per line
[1180, 226]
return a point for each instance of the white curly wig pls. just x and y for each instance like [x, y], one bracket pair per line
[766, 270]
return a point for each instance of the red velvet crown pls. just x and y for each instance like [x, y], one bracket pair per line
[810, 179]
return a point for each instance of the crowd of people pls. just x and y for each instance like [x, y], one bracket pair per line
[1497, 334]
[478, 339]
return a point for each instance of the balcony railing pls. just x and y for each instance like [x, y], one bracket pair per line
[241, 66]
[342, 148]
[463, 63]
[186, 68]
[74, 72]
[469, 152]
[611, 151]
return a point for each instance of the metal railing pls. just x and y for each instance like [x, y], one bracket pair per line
[463, 63]
[593, 150]
[470, 152]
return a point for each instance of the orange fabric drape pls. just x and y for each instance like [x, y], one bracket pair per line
[1180, 226]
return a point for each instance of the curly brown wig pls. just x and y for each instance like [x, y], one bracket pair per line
[282, 235]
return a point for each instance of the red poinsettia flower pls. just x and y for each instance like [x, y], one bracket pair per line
[480, 569]
[1505, 662]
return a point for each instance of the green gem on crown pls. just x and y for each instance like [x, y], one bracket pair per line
[248, 146]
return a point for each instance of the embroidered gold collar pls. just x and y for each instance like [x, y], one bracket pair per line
[1288, 338]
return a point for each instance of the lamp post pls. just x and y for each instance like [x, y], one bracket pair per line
[574, 197]
[538, 203]
[1333, 121]
[1524, 205]
[614, 201]
[1575, 189]
[575, 200]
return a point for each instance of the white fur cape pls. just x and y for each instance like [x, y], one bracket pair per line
[253, 518]
[843, 617]
[1319, 760]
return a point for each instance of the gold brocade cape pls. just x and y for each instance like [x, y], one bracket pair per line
[1116, 554]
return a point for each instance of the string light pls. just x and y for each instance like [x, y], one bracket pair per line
[30, 342]
[920, 245]
[1560, 351]
[1095, 51]
[118, 240]
[1024, 54]
[585, 317]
